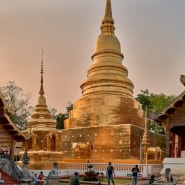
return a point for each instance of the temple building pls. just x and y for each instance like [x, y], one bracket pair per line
[107, 122]
[9, 133]
[44, 143]
[173, 120]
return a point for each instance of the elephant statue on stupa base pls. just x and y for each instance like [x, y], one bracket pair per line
[80, 150]
[154, 153]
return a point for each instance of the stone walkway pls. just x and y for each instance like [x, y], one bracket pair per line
[146, 182]
[140, 182]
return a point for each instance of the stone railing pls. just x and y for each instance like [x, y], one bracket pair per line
[121, 170]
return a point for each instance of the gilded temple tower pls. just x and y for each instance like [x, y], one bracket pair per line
[44, 143]
[107, 122]
[107, 92]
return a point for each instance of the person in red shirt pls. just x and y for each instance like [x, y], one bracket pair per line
[41, 179]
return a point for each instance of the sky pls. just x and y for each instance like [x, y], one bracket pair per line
[151, 33]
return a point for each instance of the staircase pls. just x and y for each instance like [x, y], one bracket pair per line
[8, 180]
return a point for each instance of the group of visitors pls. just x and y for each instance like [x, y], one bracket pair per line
[74, 180]
[39, 180]
[110, 173]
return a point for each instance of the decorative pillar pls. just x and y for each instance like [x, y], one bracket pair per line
[34, 141]
[173, 148]
[168, 138]
[48, 141]
[179, 145]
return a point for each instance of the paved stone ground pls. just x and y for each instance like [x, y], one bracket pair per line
[146, 182]
[140, 182]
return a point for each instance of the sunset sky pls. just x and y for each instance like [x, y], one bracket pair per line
[151, 33]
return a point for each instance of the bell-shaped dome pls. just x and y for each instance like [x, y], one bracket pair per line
[106, 44]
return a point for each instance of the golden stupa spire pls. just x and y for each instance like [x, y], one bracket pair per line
[41, 99]
[107, 27]
[41, 114]
[107, 75]
[41, 92]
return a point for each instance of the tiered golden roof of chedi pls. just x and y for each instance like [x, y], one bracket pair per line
[41, 117]
[107, 122]
[45, 140]
[107, 92]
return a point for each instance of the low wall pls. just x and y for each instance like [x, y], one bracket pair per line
[121, 170]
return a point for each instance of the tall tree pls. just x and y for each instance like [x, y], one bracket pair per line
[154, 103]
[60, 118]
[19, 102]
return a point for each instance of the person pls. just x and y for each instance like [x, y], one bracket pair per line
[135, 170]
[167, 174]
[35, 179]
[41, 179]
[74, 180]
[151, 181]
[110, 173]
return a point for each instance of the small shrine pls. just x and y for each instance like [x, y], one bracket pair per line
[173, 120]
[44, 143]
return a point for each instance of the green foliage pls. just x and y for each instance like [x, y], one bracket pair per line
[60, 118]
[144, 99]
[160, 102]
[19, 103]
[89, 166]
[69, 108]
[154, 104]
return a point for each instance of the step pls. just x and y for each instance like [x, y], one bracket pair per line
[8, 180]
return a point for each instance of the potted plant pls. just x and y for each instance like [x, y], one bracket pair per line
[90, 167]
[91, 174]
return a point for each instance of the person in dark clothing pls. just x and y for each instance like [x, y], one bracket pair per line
[110, 173]
[135, 171]
[74, 180]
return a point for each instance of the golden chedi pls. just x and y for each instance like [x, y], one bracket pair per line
[107, 122]
[44, 143]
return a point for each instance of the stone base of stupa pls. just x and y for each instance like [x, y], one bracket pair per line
[106, 143]
[43, 160]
